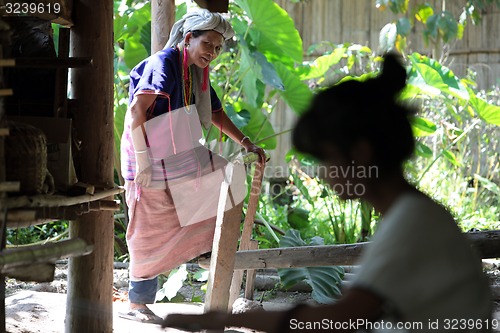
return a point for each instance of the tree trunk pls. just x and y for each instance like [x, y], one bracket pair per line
[90, 278]
[162, 20]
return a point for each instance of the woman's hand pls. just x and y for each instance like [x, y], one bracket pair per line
[250, 147]
[260, 320]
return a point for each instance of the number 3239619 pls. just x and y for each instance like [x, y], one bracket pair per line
[26, 8]
[471, 324]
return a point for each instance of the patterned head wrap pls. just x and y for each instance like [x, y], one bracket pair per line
[199, 19]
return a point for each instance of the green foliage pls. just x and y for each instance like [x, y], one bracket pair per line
[38, 234]
[324, 281]
[171, 285]
[438, 27]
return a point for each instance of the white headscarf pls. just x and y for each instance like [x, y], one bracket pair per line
[200, 19]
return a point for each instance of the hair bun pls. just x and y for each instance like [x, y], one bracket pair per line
[393, 76]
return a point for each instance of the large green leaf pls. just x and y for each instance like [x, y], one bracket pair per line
[297, 94]
[276, 32]
[422, 126]
[240, 119]
[488, 184]
[136, 34]
[451, 157]
[130, 22]
[427, 71]
[489, 112]
[324, 281]
[447, 26]
[134, 51]
[248, 77]
[145, 37]
[267, 71]
[258, 128]
[302, 188]
[423, 12]
[321, 65]
[423, 150]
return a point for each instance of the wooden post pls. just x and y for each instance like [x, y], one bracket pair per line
[246, 234]
[61, 89]
[227, 231]
[162, 20]
[90, 278]
[251, 273]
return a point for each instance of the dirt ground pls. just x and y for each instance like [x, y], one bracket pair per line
[41, 307]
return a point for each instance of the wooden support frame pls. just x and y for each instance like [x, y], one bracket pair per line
[227, 231]
[246, 235]
[224, 283]
[486, 243]
[27, 255]
[90, 298]
[73, 62]
[225, 263]
[59, 200]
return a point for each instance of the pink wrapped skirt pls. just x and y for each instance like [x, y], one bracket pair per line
[156, 241]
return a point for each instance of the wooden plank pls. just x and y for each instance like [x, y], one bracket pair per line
[246, 234]
[61, 88]
[486, 243]
[306, 256]
[36, 272]
[10, 186]
[73, 62]
[6, 92]
[28, 255]
[59, 200]
[21, 218]
[224, 247]
[250, 274]
[20, 215]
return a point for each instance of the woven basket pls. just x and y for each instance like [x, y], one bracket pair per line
[26, 157]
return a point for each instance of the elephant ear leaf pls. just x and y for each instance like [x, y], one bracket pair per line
[324, 281]
[274, 32]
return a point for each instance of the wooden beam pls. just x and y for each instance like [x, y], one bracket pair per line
[35, 272]
[10, 186]
[246, 234]
[59, 200]
[225, 243]
[162, 20]
[73, 62]
[28, 255]
[25, 217]
[486, 243]
[90, 296]
[6, 92]
[304, 256]
[61, 88]
[250, 274]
